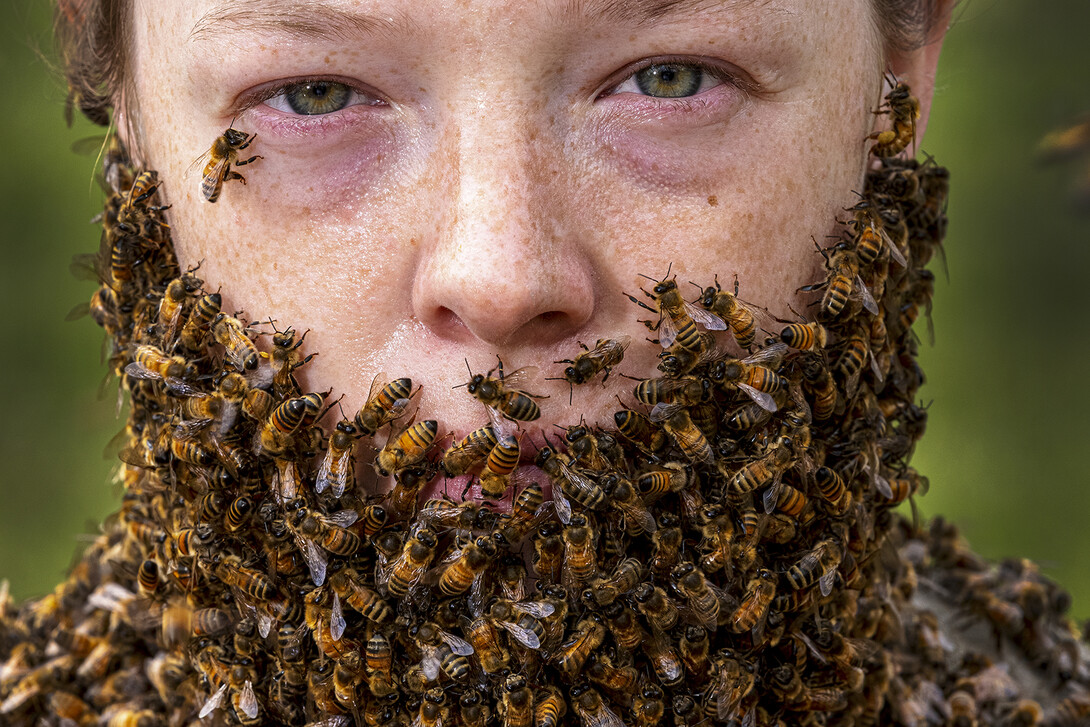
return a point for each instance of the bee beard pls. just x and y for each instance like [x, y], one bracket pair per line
[807, 521]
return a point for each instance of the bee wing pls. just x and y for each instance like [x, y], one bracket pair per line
[868, 300]
[214, 702]
[189, 428]
[337, 720]
[814, 650]
[894, 251]
[247, 700]
[875, 368]
[524, 636]
[315, 558]
[705, 317]
[477, 594]
[342, 518]
[324, 478]
[575, 478]
[603, 717]
[765, 401]
[138, 371]
[537, 609]
[458, 645]
[667, 331]
[501, 425]
[664, 410]
[563, 507]
[771, 496]
[429, 664]
[180, 387]
[882, 485]
[286, 481]
[265, 623]
[337, 623]
[770, 356]
[199, 161]
[642, 517]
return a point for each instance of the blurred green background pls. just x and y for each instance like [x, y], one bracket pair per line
[1008, 375]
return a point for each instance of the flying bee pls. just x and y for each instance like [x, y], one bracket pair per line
[804, 336]
[754, 375]
[521, 619]
[699, 593]
[623, 496]
[903, 109]
[338, 464]
[842, 283]
[569, 482]
[496, 476]
[232, 335]
[407, 448]
[516, 702]
[469, 451]
[607, 353]
[152, 364]
[677, 316]
[224, 152]
[468, 564]
[738, 314]
[818, 564]
[384, 405]
[410, 565]
[502, 399]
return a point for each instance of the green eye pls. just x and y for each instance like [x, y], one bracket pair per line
[670, 80]
[319, 97]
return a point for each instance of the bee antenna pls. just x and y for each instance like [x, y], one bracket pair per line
[648, 277]
[697, 285]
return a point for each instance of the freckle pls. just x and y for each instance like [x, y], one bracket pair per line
[713, 200]
[421, 89]
[631, 38]
[740, 190]
[275, 265]
[412, 242]
[327, 60]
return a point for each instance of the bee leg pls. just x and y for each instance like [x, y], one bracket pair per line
[251, 159]
[228, 176]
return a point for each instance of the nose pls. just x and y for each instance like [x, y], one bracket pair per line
[503, 267]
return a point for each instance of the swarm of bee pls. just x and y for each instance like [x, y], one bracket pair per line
[729, 553]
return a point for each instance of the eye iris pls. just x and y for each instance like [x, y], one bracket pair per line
[670, 80]
[320, 97]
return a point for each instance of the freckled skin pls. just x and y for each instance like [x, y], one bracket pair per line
[502, 200]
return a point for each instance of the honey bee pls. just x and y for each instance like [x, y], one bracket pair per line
[656, 606]
[516, 702]
[224, 152]
[383, 406]
[738, 314]
[199, 322]
[473, 709]
[568, 482]
[830, 486]
[407, 448]
[470, 562]
[685, 391]
[818, 564]
[433, 711]
[648, 706]
[230, 333]
[469, 451]
[327, 531]
[701, 596]
[694, 646]
[285, 358]
[379, 660]
[549, 707]
[690, 440]
[677, 316]
[348, 673]
[619, 681]
[754, 375]
[903, 487]
[338, 464]
[804, 336]
[548, 552]
[623, 496]
[607, 353]
[580, 561]
[572, 655]
[521, 620]
[442, 651]
[502, 399]
[842, 283]
[150, 363]
[871, 237]
[495, 478]
[410, 565]
[765, 471]
[819, 383]
[588, 704]
[656, 483]
[637, 428]
[666, 545]
[229, 569]
[485, 639]
[525, 513]
[170, 307]
[903, 109]
[349, 586]
[844, 653]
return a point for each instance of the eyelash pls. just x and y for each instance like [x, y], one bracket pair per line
[714, 71]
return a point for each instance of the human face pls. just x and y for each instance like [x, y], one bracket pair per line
[499, 173]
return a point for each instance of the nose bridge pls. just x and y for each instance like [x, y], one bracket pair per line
[498, 266]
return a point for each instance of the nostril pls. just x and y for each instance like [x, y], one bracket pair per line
[445, 318]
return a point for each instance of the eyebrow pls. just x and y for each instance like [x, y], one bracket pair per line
[302, 20]
[313, 20]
